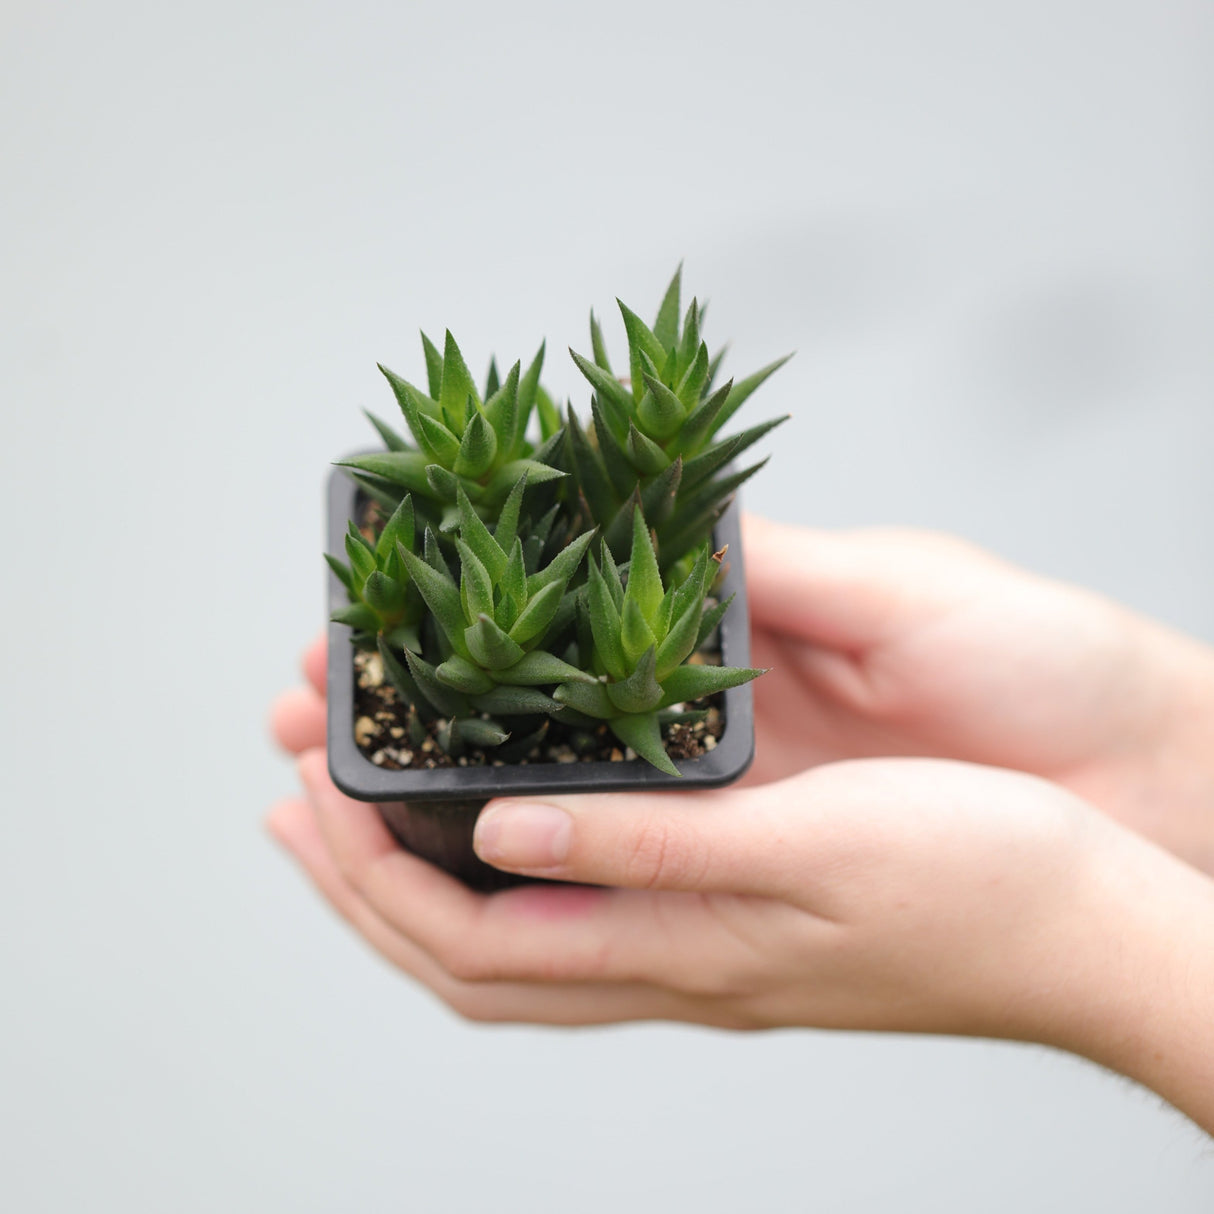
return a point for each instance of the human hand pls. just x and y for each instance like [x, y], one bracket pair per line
[905, 895]
[910, 643]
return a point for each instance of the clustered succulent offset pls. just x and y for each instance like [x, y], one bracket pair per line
[509, 583]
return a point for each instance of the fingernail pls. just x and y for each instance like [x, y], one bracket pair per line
[523, 836]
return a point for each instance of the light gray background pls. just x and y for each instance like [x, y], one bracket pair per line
[986, 230]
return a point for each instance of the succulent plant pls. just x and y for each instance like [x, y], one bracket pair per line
[383, 600]
[493, 609]
[636, 636]
[653, 442]
[463, 441]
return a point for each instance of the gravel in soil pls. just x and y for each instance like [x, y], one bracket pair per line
[385, 734]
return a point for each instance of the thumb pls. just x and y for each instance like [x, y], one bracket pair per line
[720, 842]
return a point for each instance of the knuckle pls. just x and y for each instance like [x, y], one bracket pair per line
[662, 854]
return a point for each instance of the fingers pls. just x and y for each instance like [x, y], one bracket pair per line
[716, 842]
[544, 954]
[847, 590]
[297, 720]
[315, 661]
[294, 825]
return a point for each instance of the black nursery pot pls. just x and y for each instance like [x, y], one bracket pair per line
[432, 812]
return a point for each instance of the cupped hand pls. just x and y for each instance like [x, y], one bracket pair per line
[909, 643]
[893, 894]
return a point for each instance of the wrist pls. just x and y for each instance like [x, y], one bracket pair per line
[1141, 999]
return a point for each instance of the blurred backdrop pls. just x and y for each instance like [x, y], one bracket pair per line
[986, 231]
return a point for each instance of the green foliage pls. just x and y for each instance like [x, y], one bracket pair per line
[509, 582]
[461, 439]
[655, 440]
[636, 636]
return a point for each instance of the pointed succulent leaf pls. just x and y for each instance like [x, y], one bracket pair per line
[476, 731]
[642, 344]
[507, 516]
[680, 641]
[611, 575]
[615, 399]
[636, 636]
[442, 597]
[405, 468]
[549, 415]
[413, 404]
[711, 492]
[529, 384]
[384, 595]
[401, 678]
[690, 342]
[644, 735]
[362, 560]
[644, 581]
[692, 589]
[666, 326]
[714, 367]
[563, 565]
[506, 477]
[645, 456]
[597, 345]
[682, 533]
[590, 699]
[616, 460]
[605, 625]
[659, 497]
[550, 450]
[477, 448]
[489, 645]
[391, 439]
[660, 411]
[703, 421]
[434, 367]
[505, 701]
[744, 387]
[476, 586]
[542, 529]
[532, 397]
[343, 572]
[446, 699]
[403, 636]
[592, 476]
[399, 529]
[476, 535]
[640, 692]
[669, 373]
[358, 616]
[700, 467]
[693, 682]
[514, 577]
[501, 410]
[538, 613]
[380, 491]
[618, 533]
[436, 439]
[693, 382]
[457, 385]
[492, 380]
[445, 485]
[463, 675]
[539, 667]
[711, 620]
[433, 554]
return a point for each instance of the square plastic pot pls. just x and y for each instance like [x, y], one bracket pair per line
[432, 812]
